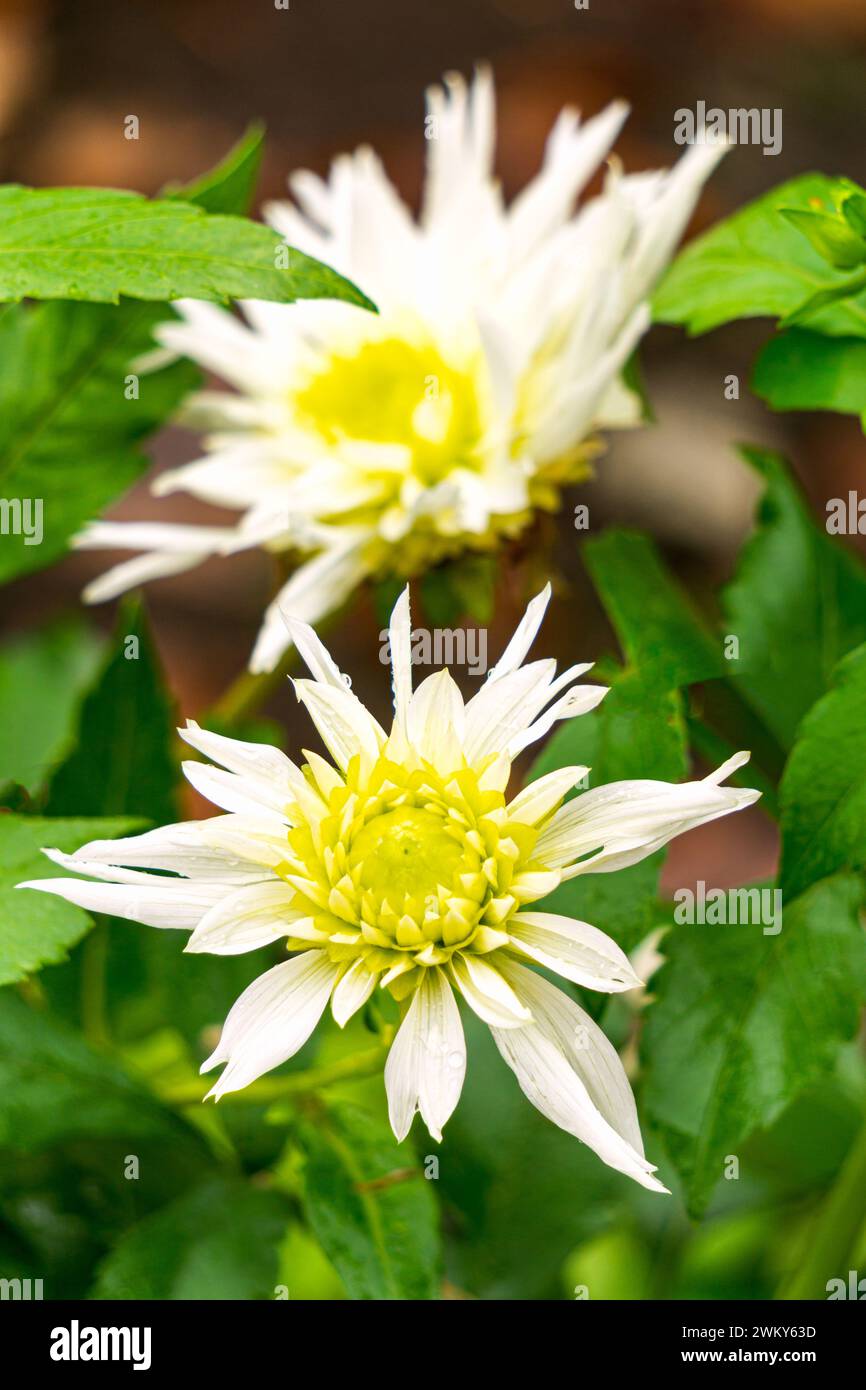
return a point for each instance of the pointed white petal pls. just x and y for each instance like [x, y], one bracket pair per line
[487, 992]
[570, 1072]
[344, 725]
[435, 722]
[400, 644]
[252, 916]
[272, 1019]
[353, 990]
[540, 797]
[170, 902]
[575, 950]
[427, 1061]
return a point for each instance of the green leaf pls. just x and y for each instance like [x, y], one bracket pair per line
[123, 762]
[659, 630]
[37, 929]
[756, 264]
[230, 186]
[370, 1206]
[68, 433]
[97, 244]
[42, 677]
[54, 1087]
[637, 732]
[519, 1192]
[218, 1242]
[743, 1021]
[797, 603]
[823, 791]
[800, 370]
[459, 588]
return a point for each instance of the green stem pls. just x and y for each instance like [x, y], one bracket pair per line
[272, 1088]
[94, 1013]
[832, 1240]
[248, 692]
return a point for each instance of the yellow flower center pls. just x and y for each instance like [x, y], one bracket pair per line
[407, 866]
[407, 851]
[394, 392]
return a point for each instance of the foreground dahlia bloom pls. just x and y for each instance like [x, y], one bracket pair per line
[370, 445]
[402, 865]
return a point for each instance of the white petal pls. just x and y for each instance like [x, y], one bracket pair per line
[318, 587]
[171, 902]
[352, 992]
[183, 848]
[400, 645]
[539, 798]
[252, 916]
[575, 950]
[435, 722]
[524, 635]
[571, 1073]
[427, 1061]
[487, 992]
[344, 725]
[272, 1019]
[626, 821]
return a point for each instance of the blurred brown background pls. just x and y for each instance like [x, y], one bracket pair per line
[328, 75]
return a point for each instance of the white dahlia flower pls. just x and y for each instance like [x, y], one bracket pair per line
[368, 445]
[403, 865]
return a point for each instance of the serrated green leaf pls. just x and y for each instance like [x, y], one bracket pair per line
[54, 1087]
[38, 929]
[124, 761]
[370, 1206]
[217, 1242]
[743, 1021]
[755, 264]
[42, 678]
[800, 370]
[68, 434]
[99, 244]
[797, 603]
[659, 630]
[823, 791]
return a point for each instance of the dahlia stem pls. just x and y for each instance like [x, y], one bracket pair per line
[94, 1013]
[832, 1239]
[248, 692]
[272, 1088]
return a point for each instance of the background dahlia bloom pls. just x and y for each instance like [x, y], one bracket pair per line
[364, 444]
[402, 865]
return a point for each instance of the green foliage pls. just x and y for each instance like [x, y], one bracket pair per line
[797, 603]
[69, 429]
[97, 244]
[37, 929]
[370, 1206]
[53, 1088]
[42, 677]
[758, 264]
[743, 1021]
[231, 185]
[218, 1241]
[802, 370]
[125, 731]
[824, 787]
